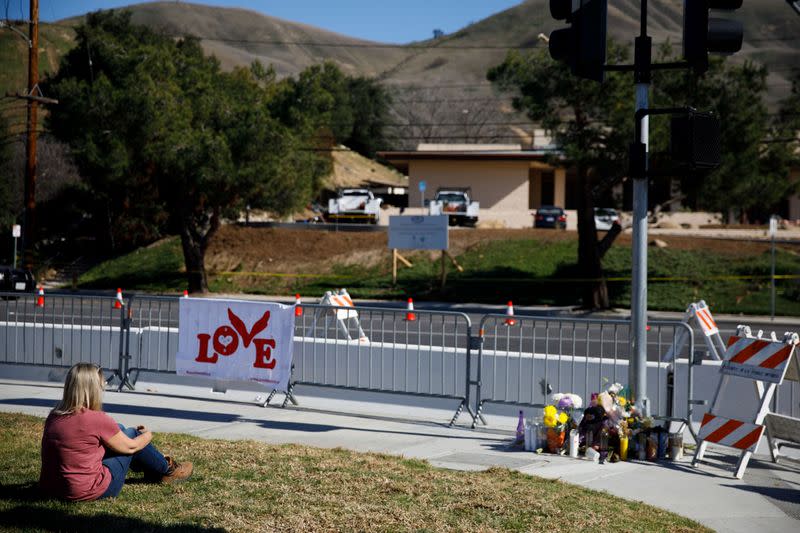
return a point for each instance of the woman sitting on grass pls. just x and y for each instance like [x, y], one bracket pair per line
[86, 454]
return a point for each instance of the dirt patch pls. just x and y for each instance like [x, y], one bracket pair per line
[243, 249]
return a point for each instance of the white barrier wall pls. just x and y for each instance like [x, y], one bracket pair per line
[533, 379]
[381, 366]
[514, 377]
[434, 370]
[59, 344]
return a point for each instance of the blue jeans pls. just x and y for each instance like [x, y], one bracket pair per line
[148, 460]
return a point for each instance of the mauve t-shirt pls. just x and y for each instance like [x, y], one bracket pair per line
[72, 454]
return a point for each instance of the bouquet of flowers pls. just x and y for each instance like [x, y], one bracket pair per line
[611, 423]
[558, 419]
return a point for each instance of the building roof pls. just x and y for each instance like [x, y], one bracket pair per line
[461, 152]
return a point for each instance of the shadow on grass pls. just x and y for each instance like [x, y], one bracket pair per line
[30, 512]
[146, 280]
[498, 285]
[30, 517]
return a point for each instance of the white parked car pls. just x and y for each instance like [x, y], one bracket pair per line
[605, 217]
[354, 205]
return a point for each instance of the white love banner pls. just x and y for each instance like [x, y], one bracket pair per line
[236, 340]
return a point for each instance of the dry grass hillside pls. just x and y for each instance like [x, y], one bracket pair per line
[772, 36]
[351, 169]
[450, 71]
[238, 37]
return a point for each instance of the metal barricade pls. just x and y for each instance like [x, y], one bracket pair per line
[154, 331]
[381, 350]
[355, 348]
[65, 329]
[525, 363]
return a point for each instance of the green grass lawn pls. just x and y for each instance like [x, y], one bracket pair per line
[251, 486]
[525, 271]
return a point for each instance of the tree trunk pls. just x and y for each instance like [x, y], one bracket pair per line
[594, 290]
[194, 241]
[195, 261]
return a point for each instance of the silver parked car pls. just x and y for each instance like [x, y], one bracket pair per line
[605, 217]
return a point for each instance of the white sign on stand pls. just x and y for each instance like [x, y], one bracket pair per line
[418, 232]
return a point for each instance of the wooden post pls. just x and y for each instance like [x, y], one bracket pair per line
[444, 268]
[394, 266]
[455, 263]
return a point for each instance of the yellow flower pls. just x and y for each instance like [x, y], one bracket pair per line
[562, 418]
[549, 421]
[550, 410]
[622, 401]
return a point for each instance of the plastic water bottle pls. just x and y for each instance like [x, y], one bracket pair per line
[536, 436]
[574, 442]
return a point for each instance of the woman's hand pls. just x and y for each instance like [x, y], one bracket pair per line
[121, 443]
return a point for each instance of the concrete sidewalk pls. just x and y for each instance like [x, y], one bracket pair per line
[767, 499]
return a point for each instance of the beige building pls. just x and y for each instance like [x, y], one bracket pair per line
[508, 182]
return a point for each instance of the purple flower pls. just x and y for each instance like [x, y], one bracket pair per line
[565, 403]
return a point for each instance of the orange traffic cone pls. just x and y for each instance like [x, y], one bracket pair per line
[40, 298]
[510, 321]
[410, 315]
[118, 301]
[185, 294]
[298, 311]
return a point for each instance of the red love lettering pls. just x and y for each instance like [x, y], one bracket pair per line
[202, 352]
[247, 336]
[225, 333]
[264, 353]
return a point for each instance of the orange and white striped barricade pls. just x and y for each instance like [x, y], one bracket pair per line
[345, 313]
[701, 314]
[765, 362]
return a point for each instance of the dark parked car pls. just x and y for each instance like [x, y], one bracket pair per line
[550, 216]
[16, 280]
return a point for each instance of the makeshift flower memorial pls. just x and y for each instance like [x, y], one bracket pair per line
[558, 419]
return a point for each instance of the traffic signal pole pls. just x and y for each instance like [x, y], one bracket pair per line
[582, 46]
[637, 369]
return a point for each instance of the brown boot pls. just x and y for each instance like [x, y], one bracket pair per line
[178, 472]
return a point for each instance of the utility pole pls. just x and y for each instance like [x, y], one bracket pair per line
[29, 219]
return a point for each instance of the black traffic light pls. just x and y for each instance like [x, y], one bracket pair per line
[695, 141]
[583, 45]
[702, 34]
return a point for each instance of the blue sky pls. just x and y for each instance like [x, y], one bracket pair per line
[390, 21]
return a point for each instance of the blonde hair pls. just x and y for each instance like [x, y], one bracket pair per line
[83, 387]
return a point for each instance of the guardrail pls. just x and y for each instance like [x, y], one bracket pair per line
[381, 350]
[436, 355]
[524, 360]
[65, 330]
